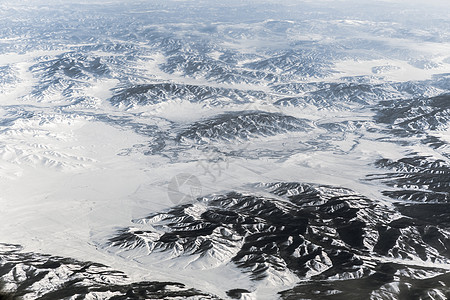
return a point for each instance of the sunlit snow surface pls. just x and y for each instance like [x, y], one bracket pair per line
[233, 149]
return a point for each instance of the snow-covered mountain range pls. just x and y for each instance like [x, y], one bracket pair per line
[235, 150]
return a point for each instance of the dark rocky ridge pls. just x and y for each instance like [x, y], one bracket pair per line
[314, 232]
[147, 94]
[241, 125]
[25, 275]
[416, 115]
[388, 281]
[416, 178]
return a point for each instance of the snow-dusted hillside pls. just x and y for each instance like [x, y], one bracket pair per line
[224, 150]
